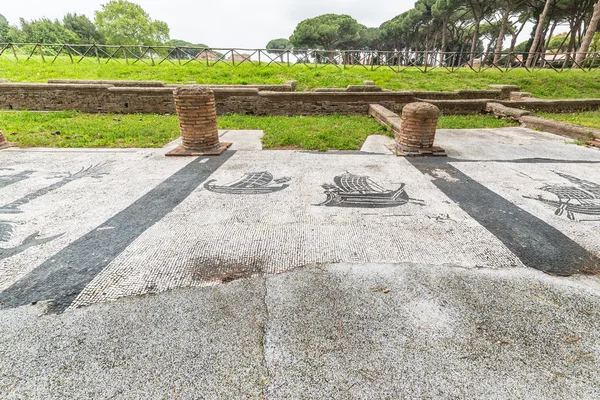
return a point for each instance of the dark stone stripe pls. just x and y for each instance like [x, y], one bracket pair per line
[62, 277]
[535, 242]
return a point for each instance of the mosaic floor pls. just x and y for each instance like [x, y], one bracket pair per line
[82, 227]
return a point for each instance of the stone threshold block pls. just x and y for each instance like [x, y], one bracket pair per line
[405, 151]
[180, 151]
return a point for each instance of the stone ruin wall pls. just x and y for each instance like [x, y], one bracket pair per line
[157, 98]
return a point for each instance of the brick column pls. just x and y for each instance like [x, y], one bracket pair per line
[3, 142]
[198, 122]
[417, 130]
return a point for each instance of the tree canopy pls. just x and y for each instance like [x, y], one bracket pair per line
[3, 28]
[46, 31]
[279, 44]
[327, 31]
[83, 27]
[126, 23]
[120, 22]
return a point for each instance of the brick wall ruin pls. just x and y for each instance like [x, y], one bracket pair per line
[157, 98]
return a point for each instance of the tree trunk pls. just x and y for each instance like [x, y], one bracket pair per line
[589, 35]
[474, 44]
[548, 33]
[513, 42]
[572, 44]
[549, 36]
[538, 34]
[500, 40]
[443, 49]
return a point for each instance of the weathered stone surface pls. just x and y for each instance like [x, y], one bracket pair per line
[117, 83]
[500, 110]
[558, 127]
[119, 97]
[458, 107]
[506, 90]
[554, 106]
[385, 117]
[363, 88]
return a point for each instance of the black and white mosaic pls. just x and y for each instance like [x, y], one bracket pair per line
[351, 190]
[6, 180]
[93, 171]
[156, 224]
[251, 183]
[212, 238]
[581, 197]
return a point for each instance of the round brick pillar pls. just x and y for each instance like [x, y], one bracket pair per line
[197, 114]
[417, 130]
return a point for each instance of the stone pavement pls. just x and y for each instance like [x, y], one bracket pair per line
[294, 274]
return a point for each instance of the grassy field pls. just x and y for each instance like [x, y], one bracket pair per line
[543, 84]
[339, 132]
[74, 129]
[590, 119]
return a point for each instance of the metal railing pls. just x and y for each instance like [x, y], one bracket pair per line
[398, 61]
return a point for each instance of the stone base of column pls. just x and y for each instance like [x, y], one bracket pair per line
[181, 151]
[402, 151]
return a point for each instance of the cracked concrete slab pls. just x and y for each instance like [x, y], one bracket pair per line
[510, 144]
[324, 331]
[377, 144]
[186, 344]
[416, 331]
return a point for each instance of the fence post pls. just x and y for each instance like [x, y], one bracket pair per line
[69, 53]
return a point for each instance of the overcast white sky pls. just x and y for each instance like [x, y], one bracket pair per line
[221, 23]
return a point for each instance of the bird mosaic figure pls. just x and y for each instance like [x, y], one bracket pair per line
[583, 197]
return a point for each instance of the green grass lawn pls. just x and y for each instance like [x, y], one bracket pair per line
[474, 122]
[543, 84]
[591, 119]
[74, 129]
[339, 132]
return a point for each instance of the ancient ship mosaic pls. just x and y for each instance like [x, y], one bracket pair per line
[583, 197]
[351, 190]
[251, 183]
